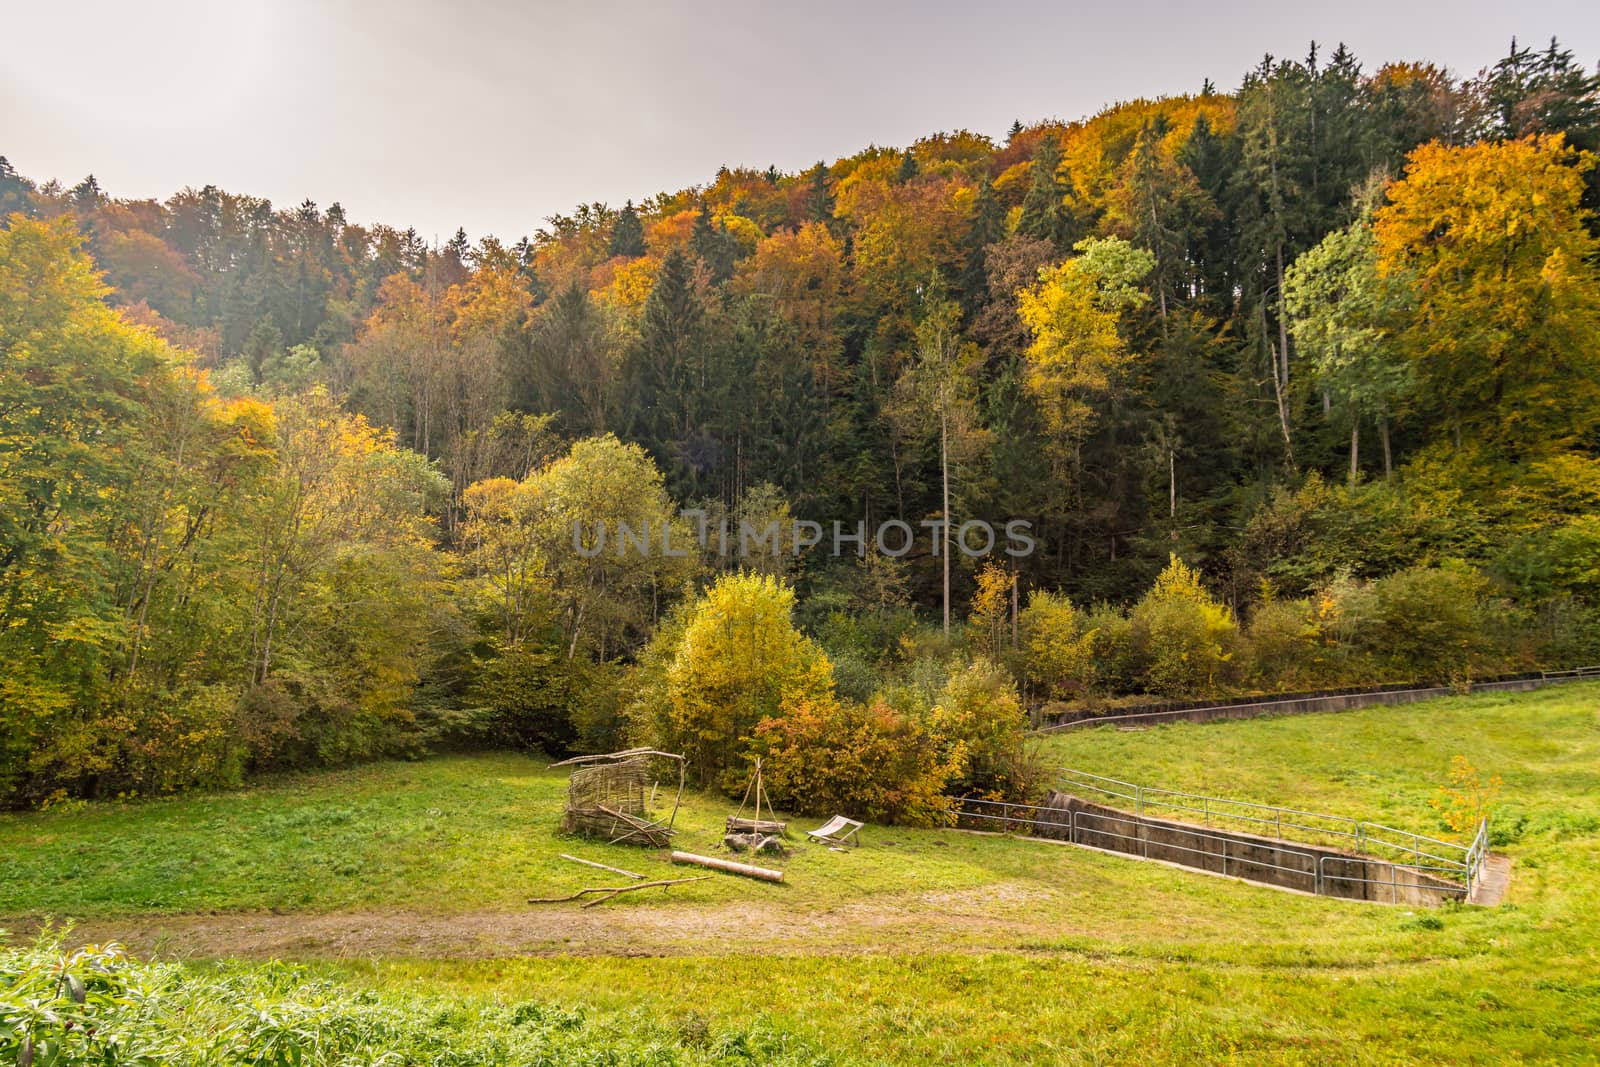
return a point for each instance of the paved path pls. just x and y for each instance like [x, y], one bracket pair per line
[1493, 882]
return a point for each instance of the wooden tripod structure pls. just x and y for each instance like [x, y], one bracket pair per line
[756, 828]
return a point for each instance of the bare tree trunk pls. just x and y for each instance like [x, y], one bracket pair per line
[1172, 483]
[1283, 326]
[1383, 433]
[944, 471]
[1014, 612]
[1355, 441]
[1280, 388]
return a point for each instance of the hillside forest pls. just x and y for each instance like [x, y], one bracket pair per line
[1296, 386]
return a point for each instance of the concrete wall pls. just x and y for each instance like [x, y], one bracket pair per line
[1309, 868]
[1300, 705]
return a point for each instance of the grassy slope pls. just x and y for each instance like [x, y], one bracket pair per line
[1139, 961]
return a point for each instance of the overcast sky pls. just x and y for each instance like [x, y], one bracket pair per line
[492, 114]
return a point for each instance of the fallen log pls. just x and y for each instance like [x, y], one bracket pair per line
[766, 874]
[611, 891]
[602, 866]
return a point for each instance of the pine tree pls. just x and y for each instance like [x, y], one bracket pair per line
[988, 225]
[1045, 214]
[908, 167]
[627, 233]
[819, 198]
[712, 245]
[1210, 158]
[16, 192]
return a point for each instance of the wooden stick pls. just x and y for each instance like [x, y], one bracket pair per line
[766, 874]
[611, 891]
[603, 867]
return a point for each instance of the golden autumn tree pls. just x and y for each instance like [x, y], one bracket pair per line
[1078, 354]
[1492, 238]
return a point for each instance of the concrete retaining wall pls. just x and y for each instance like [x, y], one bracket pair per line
[1309, 868]
[1303, 705]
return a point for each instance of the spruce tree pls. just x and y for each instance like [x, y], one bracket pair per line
[988, 225]
[819, 198]
[627, 233]
[15, 190]
[1045, 214]
[712, 245]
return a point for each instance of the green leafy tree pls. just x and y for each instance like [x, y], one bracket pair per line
[1344, 317]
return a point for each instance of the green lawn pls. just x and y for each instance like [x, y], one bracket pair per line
[923, 946]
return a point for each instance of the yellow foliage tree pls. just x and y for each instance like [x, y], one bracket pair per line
[739, 661]
[1493, 238]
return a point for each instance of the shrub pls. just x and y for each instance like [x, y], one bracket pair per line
[528, 692]
[97, 1005]
[1282, 646]
[1060, 646]
[853, 676]
[1430, 623]
[979, 712]
[738, 659]
[1189, 639]
[825, 756]
[1119, 661]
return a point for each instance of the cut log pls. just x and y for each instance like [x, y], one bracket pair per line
[603, 867]
[766, 874]
[737, 825]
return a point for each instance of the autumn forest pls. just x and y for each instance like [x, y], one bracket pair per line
[1296, 386]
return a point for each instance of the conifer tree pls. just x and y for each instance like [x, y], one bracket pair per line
[988, 225]
[627, 233]
[1045, 214]
[819, 198]
[908, 167]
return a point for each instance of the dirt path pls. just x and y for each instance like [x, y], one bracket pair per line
[989, 919]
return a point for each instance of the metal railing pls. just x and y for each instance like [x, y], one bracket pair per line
[1221, 853]
[1457, 862]
[1297, 703]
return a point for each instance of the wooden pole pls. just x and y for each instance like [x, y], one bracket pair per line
[602, 866]
[766, 874]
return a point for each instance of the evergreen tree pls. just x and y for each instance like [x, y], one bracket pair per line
[86, 195]
[1211, 159]
[712, 245]
[627, 233]
[908, 167]
[819, 198]
[16, 192]
[1045, 214]
[987, 226]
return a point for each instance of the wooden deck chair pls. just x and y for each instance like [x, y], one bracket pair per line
[838, 831]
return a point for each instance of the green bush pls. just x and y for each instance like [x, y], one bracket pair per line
[1189, 638]
[1118, 659]
[980, 711]
[1432, 623]
[1059, 644]
[97, 1005]
[1281, 649]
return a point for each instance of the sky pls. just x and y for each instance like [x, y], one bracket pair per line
[494, 114]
